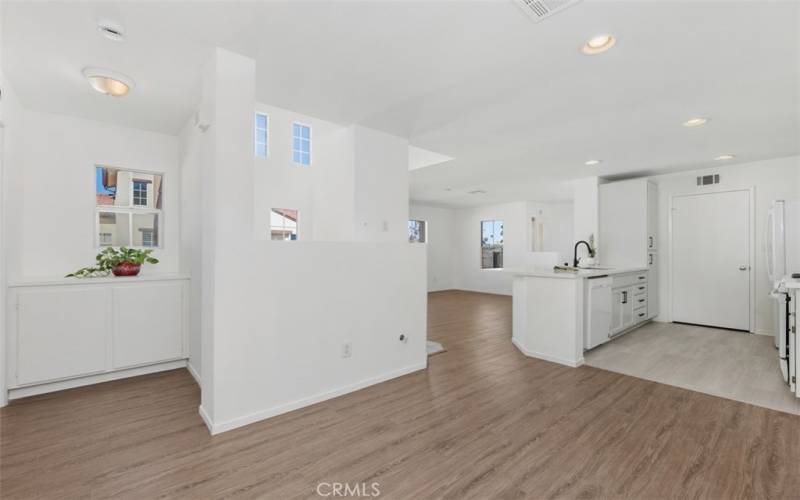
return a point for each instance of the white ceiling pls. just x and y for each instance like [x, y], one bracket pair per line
[517, 104]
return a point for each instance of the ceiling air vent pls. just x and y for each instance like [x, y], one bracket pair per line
[705, 180]
[542, 9]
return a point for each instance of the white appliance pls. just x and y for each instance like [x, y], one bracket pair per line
[598, 319]
[783, 257]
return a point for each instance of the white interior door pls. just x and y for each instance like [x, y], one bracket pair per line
[711, 259]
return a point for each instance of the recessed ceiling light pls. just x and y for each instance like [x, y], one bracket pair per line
[725, 157]
[108, 82]
[593, 162]
[111, 30]
[695, 122]
[598, 44]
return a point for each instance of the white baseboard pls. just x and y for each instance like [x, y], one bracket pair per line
[194, 373]
[33, 390]
[548, 357]
[234, 423]
[206, 418]
[761, 332]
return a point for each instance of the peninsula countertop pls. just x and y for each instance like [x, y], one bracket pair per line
[549, 272]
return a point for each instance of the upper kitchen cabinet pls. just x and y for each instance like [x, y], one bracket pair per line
[628, 218]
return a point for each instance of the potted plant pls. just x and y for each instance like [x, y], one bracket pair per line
[122, 262]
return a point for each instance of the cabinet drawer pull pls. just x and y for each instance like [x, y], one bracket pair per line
[641, 300]
[641, 288]
[641, 314]
[641, 277]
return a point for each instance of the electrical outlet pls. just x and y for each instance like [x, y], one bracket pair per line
[347, 349]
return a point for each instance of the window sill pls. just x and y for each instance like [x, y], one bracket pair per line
[97, 281]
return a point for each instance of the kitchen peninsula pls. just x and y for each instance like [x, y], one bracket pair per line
[555, 313]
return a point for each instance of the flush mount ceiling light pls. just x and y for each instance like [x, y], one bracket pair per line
[108, 82]
[598, 44]
[725, 157]
[695, 122]
[593, 162]
[111, 30]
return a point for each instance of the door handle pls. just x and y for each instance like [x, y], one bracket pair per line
[744, 268]
[651, 241]
[624, 297]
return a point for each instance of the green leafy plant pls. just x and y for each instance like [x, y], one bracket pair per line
[110, 257]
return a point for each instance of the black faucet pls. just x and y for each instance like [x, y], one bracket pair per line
[575, 252]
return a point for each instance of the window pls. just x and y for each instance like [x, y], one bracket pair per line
[147, 238]
[140, 193]
[491, 244]
[301, 144]
[261, 135]
[129, 207]
[283, 224]
[417, 231]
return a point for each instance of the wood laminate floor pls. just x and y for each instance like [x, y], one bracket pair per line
[482, 421]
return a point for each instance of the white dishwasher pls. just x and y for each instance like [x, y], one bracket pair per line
[597, 324]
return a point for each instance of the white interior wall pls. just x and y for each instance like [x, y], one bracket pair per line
[586, 209]
[517, 253]
[276, 314]
[322, 192]
[52, 191]
[440, 224]
[772, 179]
[381, 186]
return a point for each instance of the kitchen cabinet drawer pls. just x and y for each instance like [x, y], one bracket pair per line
[639, 301]
[624, 280]
[640, 289]
[639, 315]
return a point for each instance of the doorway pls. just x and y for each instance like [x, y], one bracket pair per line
[712, 269]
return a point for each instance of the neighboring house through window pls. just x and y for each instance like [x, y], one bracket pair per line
[129, 207]
[283, 224]
[301, 144]
[491, 244]
[262, 122]
[417, 231]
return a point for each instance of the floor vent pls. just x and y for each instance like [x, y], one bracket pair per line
[705, 180]
[542, 9]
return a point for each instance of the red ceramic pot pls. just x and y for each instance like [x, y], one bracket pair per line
[126, 269]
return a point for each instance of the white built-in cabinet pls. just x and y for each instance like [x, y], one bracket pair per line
[70, 332]
[629, 233]
[629, 298]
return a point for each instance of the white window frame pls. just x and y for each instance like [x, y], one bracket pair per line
[502, 245]
[310, 144]
[131, 210]
[266, 134]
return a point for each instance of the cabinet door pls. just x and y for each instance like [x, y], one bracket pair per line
[627, 307]
[148, 325]
[652, 217]
[617, 310]
[61, 333]
[652, 285]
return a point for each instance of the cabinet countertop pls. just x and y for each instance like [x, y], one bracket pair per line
[583, 273]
